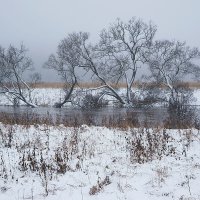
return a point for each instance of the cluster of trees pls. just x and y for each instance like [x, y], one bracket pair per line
[121, 50]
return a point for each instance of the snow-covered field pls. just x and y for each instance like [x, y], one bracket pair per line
[50, 96]
[197, 97]
[59, 163]
[41, 96]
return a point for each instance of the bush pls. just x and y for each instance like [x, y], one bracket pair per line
[181, 115]
[93, 102]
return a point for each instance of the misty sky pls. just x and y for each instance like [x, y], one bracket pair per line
[41, 24]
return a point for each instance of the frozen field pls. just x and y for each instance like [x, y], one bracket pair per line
[59, 163]
[42, 97]
[49, 96]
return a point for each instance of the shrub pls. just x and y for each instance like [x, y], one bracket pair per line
[93, 102]
[181, 115]
[146, 145]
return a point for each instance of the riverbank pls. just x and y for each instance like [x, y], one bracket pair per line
[87, 162]
[50, 96]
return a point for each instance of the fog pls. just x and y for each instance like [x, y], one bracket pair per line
[41, 24]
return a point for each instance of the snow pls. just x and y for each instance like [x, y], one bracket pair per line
[197, 97]
[94, 154]
[50, 96]
[41, 96]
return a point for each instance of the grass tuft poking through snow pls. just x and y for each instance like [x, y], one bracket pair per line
[58, 162]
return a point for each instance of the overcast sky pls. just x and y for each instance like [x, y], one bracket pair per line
[41, 24]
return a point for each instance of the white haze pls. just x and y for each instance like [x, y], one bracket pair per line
[41, 24]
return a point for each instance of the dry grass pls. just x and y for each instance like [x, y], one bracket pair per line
[192, 85]
[137, 84]
[120, 121]
[27, 119]
[82, 85]
[49, 85]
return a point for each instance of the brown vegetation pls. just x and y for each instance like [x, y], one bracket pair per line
[120, 121]
[192, 85]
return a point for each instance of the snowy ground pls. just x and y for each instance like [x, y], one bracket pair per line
[98, 163]
[197, 97]
[49, 96]
[41, 96]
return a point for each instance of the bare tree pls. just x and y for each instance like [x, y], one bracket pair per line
[14, 65]
[91, 61]
[121, 50]
[65, 62]
[170, 62]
